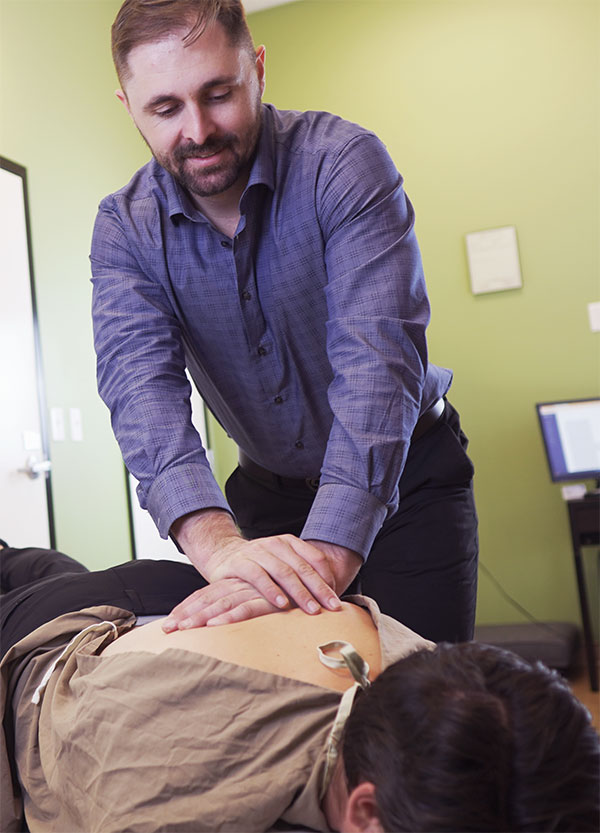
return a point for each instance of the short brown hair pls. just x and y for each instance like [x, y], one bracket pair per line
[473, 738]
[144, 21]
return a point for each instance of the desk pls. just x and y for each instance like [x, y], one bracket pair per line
[584, 517]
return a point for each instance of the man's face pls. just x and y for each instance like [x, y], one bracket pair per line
[198, 108]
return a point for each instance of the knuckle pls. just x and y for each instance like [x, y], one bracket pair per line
[304, 569]
[320, 558]
[251, 547]
[193, 610]
[225, 604]
[244, 611]
[285, 571]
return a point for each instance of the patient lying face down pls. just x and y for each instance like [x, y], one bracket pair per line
[238, 727]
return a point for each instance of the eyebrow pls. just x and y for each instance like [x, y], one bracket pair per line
[164, 98]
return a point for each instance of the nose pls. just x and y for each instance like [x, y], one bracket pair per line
[197, 124]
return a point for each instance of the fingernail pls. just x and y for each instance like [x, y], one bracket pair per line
[334, 603]
[281, 601]
[313, 607]
[169, 625]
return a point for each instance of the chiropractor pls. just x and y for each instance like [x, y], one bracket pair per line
[273, 254]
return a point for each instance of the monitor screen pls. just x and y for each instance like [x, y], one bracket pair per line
[571, 434]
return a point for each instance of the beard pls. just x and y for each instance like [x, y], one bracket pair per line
[215, 179]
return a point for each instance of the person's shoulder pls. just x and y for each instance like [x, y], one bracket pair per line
[144, 185]
[312, 131]
[396, 640]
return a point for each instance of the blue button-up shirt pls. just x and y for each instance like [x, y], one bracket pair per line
[305, 333]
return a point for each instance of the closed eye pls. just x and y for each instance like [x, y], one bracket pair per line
[217, 98]
[162, 106]
[166, 112]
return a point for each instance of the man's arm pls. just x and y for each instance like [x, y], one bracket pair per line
[141, 371]
[141, 377]
[378, 312]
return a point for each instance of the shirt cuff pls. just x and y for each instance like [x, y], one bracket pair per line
[346, 516]
[182, 489]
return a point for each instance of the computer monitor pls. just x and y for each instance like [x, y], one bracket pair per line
[571, 434]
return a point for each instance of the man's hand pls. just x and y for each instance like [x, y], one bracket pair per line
[271, 572]
[225, 601]
[343, 563]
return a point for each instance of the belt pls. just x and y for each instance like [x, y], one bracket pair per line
[269, 478]
[428, 419]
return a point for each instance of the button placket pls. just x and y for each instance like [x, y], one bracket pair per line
[260, 343]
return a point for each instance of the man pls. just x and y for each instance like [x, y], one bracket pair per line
[273, 254]
[266, 724]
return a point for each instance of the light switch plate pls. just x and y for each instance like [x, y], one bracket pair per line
[594, 314]
[76, 425]
[57, 421]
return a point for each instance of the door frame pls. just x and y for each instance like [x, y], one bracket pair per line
[21, 171]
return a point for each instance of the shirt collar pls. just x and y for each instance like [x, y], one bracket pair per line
[262, 172]
[263, 167]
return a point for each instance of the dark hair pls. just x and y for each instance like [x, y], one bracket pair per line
[144, 21]
[473, 738]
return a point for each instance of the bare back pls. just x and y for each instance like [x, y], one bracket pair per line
[283, 643]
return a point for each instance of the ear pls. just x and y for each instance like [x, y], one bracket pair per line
[361, 815]
[260, 67]
[123, 99]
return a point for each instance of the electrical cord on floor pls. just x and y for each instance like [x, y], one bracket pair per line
[522, 610]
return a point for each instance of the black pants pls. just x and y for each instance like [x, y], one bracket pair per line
[422, 568]
[39, 585]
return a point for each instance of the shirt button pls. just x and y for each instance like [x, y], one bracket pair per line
[299, 445]
[226, 244]
[262, 351]
[278, 400]
[246, 295]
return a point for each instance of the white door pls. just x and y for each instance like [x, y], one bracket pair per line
[25, 487]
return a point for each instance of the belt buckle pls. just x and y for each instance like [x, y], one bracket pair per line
[312, 483]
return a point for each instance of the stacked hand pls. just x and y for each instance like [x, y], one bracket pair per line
[252, 578]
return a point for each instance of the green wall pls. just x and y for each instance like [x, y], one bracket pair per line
[60, 119]
[490, 110]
